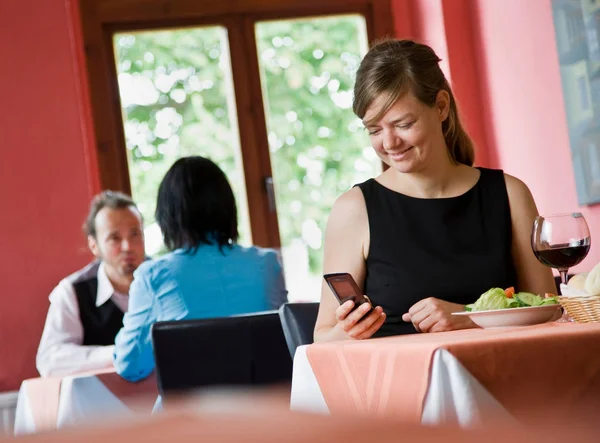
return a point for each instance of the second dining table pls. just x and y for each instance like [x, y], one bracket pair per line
[56, 402]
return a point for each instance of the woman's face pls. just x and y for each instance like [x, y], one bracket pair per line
[409, 135]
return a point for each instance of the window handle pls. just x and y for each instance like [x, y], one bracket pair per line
[270, 193]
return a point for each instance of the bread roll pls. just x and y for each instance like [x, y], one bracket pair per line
[578, 281]
[592, 282]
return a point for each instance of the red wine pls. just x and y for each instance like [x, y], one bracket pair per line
[562, 258]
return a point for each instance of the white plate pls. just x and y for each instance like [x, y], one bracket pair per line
[497, 318]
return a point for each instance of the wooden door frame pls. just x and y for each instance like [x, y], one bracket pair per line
[102, 18]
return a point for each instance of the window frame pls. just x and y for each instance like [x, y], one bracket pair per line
[101, 19]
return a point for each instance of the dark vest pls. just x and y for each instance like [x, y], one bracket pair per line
[100, 323]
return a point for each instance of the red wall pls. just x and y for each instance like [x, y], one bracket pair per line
[45, 186]
[526, 126]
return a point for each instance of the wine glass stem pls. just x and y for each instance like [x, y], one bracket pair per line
[563, 275]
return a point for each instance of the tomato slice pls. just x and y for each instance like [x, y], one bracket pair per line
[509, 292]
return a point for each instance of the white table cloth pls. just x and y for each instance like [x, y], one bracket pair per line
[85, 399]
[36, 404]
[81, 399]
[24, 422]
[454, 395]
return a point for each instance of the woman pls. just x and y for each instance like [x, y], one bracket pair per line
[205, 274]
[432, 232]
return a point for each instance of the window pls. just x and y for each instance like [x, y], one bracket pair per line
[316, 144]
[176, 96]
[263, 90]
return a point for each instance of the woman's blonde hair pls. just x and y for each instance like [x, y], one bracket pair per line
[392, 68]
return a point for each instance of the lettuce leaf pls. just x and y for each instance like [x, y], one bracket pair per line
[528, 299]
[552, 300]
[495, 298]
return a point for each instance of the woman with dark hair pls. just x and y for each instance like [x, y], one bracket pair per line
[432, 232]
[206, 274]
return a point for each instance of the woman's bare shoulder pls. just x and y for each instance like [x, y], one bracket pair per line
[350, 204]
[515, 185]
[519, 194]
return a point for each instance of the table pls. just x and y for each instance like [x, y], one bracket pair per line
[268, 422]
[54, 402]
[454, 395]
[462, 377]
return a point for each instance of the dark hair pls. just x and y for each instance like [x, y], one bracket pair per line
[106, 199]
[196, 205]
[392, 68]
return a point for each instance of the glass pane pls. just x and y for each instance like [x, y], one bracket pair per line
[318, 146]
[177, 98]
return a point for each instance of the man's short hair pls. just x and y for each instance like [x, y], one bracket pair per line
[106, 199]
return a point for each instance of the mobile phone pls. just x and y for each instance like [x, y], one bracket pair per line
[345, 288]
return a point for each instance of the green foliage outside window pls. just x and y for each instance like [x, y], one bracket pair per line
[177, 100]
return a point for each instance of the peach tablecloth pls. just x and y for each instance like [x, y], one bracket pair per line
[551, 364]
[262, 425]
[37, 404]
[42, 401]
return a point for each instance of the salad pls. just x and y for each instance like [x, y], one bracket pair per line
[497, 298]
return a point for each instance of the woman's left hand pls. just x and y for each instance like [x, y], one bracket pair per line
[435, 315]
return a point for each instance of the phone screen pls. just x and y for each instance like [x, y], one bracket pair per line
[345, 288]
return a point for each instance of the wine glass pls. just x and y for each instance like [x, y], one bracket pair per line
[561, 241]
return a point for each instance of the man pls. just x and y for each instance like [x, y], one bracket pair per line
[86, 308]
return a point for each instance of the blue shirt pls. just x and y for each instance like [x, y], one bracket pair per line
[185, 285]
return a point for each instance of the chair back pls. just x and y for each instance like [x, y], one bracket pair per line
[298, 321]
[242, 350]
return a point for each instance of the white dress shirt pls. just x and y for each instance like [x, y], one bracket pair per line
[61, 351]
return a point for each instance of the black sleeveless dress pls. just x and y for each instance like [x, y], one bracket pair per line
[453, 249]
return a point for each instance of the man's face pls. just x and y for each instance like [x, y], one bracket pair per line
[119, 240]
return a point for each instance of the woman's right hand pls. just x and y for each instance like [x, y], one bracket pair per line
[361, 323]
